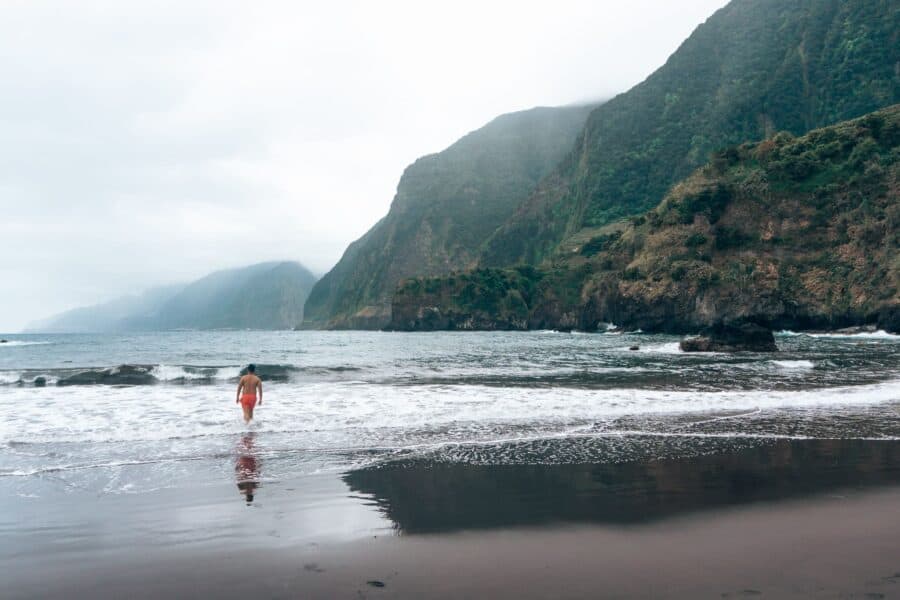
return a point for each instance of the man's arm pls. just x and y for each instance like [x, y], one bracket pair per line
[259, 385]
[240, 385]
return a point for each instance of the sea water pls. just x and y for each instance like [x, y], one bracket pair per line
[347, 400]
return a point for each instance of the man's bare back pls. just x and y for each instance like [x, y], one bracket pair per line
[249, 387]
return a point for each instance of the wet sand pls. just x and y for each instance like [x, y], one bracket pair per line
[829, 547]
[797, 518]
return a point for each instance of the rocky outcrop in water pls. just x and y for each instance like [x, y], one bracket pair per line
[732, 337]
[121, 375]
[889, 319]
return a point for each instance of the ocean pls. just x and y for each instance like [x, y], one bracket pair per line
[339, 402]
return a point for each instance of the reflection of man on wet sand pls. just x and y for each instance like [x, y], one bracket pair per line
[247, 468]
[247, 390]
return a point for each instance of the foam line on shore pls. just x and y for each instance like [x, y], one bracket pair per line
[880, 334]
[336, 410]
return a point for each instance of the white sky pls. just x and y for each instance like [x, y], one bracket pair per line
[152, 142]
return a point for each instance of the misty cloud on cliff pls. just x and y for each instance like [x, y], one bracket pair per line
[147, 143]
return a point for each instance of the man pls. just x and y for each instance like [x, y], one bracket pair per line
[250, 384]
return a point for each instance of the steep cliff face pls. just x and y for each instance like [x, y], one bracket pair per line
[754, 68]
[447, 204]
[789, 232]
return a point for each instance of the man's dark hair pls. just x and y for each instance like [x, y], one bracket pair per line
[251, 368]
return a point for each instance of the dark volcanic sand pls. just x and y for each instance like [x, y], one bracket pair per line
[793, 518]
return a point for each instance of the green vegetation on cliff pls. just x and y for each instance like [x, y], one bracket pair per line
[518, 298]
[792, 232]
[447, 204]
[754, 68]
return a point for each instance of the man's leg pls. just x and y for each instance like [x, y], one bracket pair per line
[248, 413]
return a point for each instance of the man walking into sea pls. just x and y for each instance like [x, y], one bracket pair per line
[250, 384]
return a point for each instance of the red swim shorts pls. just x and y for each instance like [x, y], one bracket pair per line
[248, 400]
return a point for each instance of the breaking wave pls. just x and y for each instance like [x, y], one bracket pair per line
[136, 374]
[793, 364]
[871, 335]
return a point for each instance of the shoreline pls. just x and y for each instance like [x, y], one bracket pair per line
[793, 518]
[843, 545]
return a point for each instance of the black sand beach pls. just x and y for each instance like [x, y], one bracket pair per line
[790, 518]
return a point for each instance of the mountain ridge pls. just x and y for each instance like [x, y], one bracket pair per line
[751, 69]
[446, 205]
[267, 295]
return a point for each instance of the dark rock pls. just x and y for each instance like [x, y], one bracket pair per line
[121, 375]
[3, 341]
[272, 372]
[697, 344]
[412, 316]
[732, 337]
[635, 348]
[889, 319]
[40, 381]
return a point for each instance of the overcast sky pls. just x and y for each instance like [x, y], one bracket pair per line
[152, 142]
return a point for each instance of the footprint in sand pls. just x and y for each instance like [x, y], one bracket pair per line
[895, 578]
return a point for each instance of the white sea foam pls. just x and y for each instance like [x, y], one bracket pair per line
[793, 364]
[171, 373]
[226, 373]
[873, 335]
[13, 343]
[180, 373]
[338, 412]
[352, 398]
[8, 377]
[667, 348]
